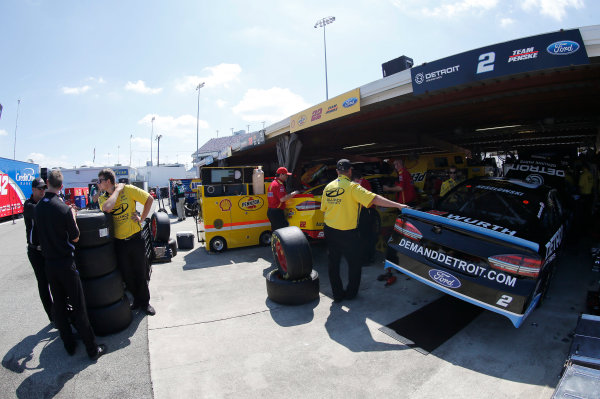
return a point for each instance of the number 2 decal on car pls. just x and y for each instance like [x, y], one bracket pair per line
[504, 300]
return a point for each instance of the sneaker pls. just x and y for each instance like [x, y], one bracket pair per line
[149, 310]
[385, 276]
[100, 350]
[390, 281]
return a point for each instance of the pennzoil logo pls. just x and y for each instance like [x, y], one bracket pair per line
[251, 203]
[331, 108]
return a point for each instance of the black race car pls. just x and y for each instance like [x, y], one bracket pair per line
[490, 241]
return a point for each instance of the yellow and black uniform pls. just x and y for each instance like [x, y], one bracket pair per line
[447, 186]
[341, 203]
[129, 244]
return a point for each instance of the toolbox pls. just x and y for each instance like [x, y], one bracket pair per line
[585, 349]
[578, 382]
[185, 240]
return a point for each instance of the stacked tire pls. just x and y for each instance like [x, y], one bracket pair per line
[107, 305]
[163, 246]
[294, 282]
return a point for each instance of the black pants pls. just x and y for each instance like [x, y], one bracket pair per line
[37, 262]
[367, 233]
[64, 282]
[277, 218]
[343, 243]
[131, 260]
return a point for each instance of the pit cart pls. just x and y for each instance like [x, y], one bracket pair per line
[233, 208]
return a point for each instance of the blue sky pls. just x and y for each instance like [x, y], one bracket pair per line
[91, 74]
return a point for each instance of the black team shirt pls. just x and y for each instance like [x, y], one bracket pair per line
[56, 227]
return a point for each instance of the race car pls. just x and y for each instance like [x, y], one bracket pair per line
[490, 241]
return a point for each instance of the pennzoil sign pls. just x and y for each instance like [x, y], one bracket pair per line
[251, 203]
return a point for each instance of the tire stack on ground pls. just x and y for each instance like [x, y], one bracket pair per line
[294, 282]
[163, 247]
[107, 305]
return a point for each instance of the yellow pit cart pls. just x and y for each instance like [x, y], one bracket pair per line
[233, 208]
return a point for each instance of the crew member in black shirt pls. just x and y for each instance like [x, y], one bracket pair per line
[57, 230]
[34, 250]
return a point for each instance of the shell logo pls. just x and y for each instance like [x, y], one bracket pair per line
[225, 205]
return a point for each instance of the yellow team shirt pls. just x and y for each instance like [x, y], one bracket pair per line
[341, 201]
[586, 182]
[125, 207]
[447, 186]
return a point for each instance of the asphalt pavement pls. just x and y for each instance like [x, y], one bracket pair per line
[216, 335]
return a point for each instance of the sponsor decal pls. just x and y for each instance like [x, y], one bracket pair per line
[534, 179]
[435, 75]
[458, 264]
[523, 54]
[335, 192]
[301, 120]
[437, 213]
[418, 177]
[120, 209]
[26, 176]
[293, 124]
[501, 190]
[316, 114]
[563, 47]
[302, 225]
[445, 279]
[332, 108]
[481, 223]
[554, 243]
[225, 205]
[251, 203]
[539, 167]
[350, 102]
[321, 234]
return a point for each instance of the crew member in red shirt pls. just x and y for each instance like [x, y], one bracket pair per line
[276, 198]
[404, 188]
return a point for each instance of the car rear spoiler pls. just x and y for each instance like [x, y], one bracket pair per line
[475, 229]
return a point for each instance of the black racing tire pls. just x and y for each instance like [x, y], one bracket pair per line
[162, 210]
[111, 319]
[97, 261]
[95, 228]
[103, 291]
[173, 245]
[265, 238]
[160, 225]
[292, 253]
[292, 292]
[217, 244]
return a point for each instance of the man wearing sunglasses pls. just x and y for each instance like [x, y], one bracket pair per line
[449, 184]
[120, 200]
[34, 250]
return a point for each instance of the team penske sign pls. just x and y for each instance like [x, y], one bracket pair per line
[347, 103]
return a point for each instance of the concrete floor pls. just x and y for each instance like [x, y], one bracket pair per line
[217, 335]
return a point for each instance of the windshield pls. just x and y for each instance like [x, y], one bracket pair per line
[505, 205]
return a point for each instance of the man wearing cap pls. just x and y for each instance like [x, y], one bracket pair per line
[341, 202]
[276, 198]
[34, 249]
[180, 197]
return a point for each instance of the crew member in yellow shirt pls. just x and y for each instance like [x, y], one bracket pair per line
[120, 200]
[450, 183]
[341, 203]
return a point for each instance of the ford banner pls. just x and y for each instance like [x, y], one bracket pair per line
[15, 185]
[551, 50]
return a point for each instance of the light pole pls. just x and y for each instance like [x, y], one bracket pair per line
[200, 85]
[158, 137]
[322, 23]
[118, 154]
[130, 137]
[151, 135]
[16, 122]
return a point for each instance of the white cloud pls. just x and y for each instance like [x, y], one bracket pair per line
[75, 90]
[221, 103]
[182, 128]
[552, 8]
[449, 9]
[50, 162]
[505, 22]
[270, 105]
[3, 132]
[219, 75]
[98, 80]
[140, 87]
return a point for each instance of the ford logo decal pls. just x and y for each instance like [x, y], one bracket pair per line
[564, 47]
[350, 102]
[443, 278]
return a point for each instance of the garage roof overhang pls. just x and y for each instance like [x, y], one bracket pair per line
[546, 108]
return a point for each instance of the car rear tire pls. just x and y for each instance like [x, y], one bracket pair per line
[160, 226]
[103, 291]
[173, 245]
[95, 228]
[292, 292]
[110, 319]
[292, 253]
[265, 238]
[218, 244]
[96, 261]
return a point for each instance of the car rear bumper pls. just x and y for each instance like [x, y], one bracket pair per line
[466, 289]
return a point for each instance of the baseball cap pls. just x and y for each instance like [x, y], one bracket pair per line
[283, 171]
[38, 183]
[343, 165]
